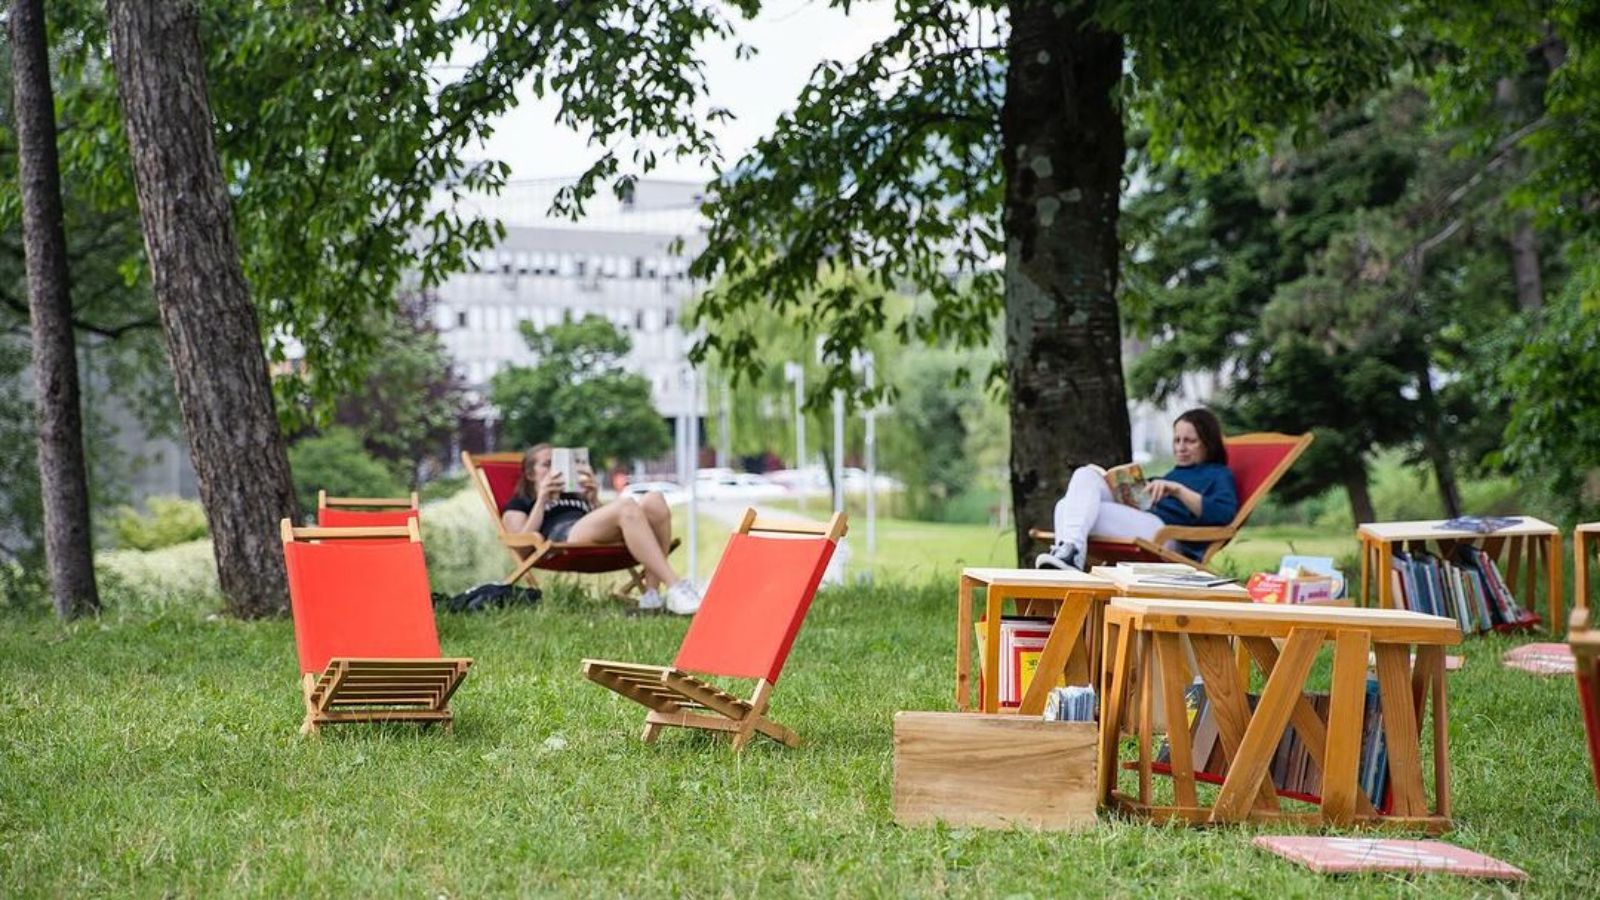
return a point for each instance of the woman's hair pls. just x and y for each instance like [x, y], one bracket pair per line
[526, 489]
[1210, 431]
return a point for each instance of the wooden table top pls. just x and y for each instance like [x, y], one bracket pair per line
[1589, 528]
[1428, 529]
[1209, 617]
[1134, 585]
[1056, 578]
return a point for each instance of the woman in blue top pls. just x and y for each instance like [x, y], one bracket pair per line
[1198, 491]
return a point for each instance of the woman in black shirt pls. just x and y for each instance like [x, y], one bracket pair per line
[544, 504]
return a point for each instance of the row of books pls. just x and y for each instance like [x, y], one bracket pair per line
[1468, 588]
[1293, 773]
[1022, 640]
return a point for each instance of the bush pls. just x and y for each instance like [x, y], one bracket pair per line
[336, 461]
[167, 521]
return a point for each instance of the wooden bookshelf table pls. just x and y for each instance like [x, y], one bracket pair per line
[1584, 539]
[1249, 738]
[1535, 539]
[1078, 598]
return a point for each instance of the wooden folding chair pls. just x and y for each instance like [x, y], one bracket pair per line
[363, 627]
[1257, 462]
[495, 475]
[1585, 641]
[747, 622]
[356, 512]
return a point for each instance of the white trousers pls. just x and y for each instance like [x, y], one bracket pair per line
[1088, 509]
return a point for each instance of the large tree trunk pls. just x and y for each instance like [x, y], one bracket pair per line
[211, 328]
[1062, 152]
[1525, 263]
[1433, 444]
[1356, 488]
[63, 478]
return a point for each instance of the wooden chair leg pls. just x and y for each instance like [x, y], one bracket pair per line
[308, 687]
[651, 732]
[524, 569]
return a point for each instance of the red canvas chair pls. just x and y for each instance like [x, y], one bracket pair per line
[747, 622]
[495, 475]
[1257, 461]
[356, 512]
[1585, 641]
[364, 629]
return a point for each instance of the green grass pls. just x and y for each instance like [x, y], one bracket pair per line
[156, 754]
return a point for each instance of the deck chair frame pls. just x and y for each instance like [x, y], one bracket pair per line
[324, 502]
[1215, 537]
[529, 550]
[679, 699]
[1584, 638]
[365, 689]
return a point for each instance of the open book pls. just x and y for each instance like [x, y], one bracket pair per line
[569, 461]
[1127, 483]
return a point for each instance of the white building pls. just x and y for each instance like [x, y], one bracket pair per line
[619, 262]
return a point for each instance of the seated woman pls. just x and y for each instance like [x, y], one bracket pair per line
[1198, 491]
[543, 504]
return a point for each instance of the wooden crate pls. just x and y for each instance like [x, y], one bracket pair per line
[993, 771]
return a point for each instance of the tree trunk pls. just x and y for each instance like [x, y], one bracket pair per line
[1433, 444]
[1062, 152]
[63, 477]
[1355, 487]
[211, 328]
[1525, 263]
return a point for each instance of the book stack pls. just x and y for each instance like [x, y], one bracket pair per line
[1022, 640]
[1293, 773]
[1469, 589]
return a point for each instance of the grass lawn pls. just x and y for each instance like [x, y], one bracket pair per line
[154, 754]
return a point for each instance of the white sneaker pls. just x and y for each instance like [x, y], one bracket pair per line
[1061, 556]
[683, 598]
[650, 601]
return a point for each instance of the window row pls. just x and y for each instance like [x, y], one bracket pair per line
[575, 265]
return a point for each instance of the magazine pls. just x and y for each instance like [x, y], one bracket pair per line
[1479, 524]
[1128, 486]
[569, 462]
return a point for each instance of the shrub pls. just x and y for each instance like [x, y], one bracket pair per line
[336, 461]
[167, 521]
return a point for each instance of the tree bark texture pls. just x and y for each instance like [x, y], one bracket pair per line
[63, 475]
[1062, 153]
[211, 328]
[1360, 494]
[1525, 263]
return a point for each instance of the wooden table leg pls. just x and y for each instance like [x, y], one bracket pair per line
[1366, 567]
[1119, 639]
[1580, 570]
[1441, 737]
[1345, 718]
[1170, 651]
[964, 645]
[1144, 669]
[1400, 730]
[1385, 566]
[1558, 622]
[991, 650]
[1261, 738]
[1226, 698]
[1064, 635]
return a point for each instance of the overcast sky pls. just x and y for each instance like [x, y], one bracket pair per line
[791, 37]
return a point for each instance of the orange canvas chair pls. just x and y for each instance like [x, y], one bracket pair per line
[1585, 641]
[1257, 462]
[355, 512]
[495, 475]
[747, 622]
[363, 627]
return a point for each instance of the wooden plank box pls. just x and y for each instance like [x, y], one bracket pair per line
[993, 771]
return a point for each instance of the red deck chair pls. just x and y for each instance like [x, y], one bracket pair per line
[495, 475]
[1257, 462]
[1585, 641]
[357, 512]
[363, 626]
[747, 622]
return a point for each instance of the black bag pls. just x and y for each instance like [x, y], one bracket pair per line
[493, 595]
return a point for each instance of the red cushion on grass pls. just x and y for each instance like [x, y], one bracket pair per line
[754, 605]
[330, 517]
[360, 599]
[503, 478]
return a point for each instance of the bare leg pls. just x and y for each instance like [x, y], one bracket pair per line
[625, 520]
[660, 517]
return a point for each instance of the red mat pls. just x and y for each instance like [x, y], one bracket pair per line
[1541, 659]
[1337, 855]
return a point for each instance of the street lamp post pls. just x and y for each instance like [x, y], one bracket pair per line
[796, 373]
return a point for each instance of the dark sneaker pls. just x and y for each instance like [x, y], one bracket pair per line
[1061, 556]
